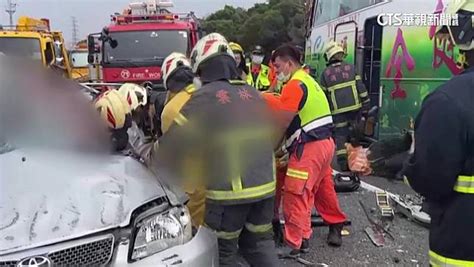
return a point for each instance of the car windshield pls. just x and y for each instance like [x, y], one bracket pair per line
[20, 47]
[145, 45]
[44, 110]
[79, 59]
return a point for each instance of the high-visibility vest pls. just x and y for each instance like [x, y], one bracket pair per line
[262, 82]
[315, 114]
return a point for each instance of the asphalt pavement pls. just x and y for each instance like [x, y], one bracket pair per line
[409, 247]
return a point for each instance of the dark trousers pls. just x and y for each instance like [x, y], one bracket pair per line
[244, 229]
[341, 136]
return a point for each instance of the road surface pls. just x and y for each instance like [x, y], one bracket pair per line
[410, 247]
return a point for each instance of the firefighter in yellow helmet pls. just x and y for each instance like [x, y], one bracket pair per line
[224, 122]
[441, 168]
[347, 96]
[240, 60]
[115, 112]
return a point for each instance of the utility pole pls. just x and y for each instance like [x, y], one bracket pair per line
[11, 9]
[75, 31]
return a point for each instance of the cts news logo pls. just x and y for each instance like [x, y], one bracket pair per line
[401, 19]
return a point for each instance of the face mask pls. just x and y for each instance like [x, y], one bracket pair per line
[283, 77]
[257, 59]
[197, 83]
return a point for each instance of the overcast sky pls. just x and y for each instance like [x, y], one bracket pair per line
[92, 15]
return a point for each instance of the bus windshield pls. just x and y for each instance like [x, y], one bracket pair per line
[21, 47]
[327, 10]
[141, 46]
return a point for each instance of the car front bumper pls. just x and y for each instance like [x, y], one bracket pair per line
[201, 250]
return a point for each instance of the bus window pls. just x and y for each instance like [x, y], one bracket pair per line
[372, 58]
[327, 10]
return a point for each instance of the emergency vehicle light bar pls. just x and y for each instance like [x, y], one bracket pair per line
[31, 24]
[143, 18]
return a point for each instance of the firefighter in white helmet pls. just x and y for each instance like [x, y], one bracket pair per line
[225, 124]
[115, 112]
[441, 167]
[137, 98]
[135, 95]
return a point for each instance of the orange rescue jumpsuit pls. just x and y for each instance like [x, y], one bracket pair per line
[299, 195]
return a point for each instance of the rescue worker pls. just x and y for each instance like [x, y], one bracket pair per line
[441, 167]
[137, 98]
[240, 60]
[178, 81]
[258, 76]
[115, 112]
[309, 142]
[221, 123]
[135, 94]
[347, 96]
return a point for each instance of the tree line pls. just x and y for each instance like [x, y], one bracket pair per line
[267, 24]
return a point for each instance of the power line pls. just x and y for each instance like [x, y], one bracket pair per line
[11, 9]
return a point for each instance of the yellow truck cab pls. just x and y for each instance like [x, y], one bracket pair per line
[32, 38]
[79, 64]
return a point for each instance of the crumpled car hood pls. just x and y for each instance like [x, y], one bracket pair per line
[50, 196]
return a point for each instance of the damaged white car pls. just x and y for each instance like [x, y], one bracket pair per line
[62, 205]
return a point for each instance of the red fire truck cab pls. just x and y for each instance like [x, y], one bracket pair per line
[132, 48]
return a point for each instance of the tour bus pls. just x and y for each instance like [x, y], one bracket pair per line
[394, 48]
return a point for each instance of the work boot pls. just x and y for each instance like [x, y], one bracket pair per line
[286, 252]
[278, 235]
[334, 236]
[305, 246]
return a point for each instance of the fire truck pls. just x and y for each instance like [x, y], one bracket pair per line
[33, 39]
[132, 48]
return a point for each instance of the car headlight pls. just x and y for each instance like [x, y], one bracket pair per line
[158, 232]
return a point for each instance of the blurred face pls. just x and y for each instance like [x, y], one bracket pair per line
[238, 58]
[284, 69]
[257, 59]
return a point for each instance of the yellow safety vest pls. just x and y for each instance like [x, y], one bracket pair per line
[263, 82]
[315, 112]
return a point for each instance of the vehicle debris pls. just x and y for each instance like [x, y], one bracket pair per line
[375, 231]
[345, 232]
[411, 207]
[384, 205]
[408, 205]
[375, 235]
[305, 262]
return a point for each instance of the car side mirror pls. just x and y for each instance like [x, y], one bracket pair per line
[91, 44]
[90, 59]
